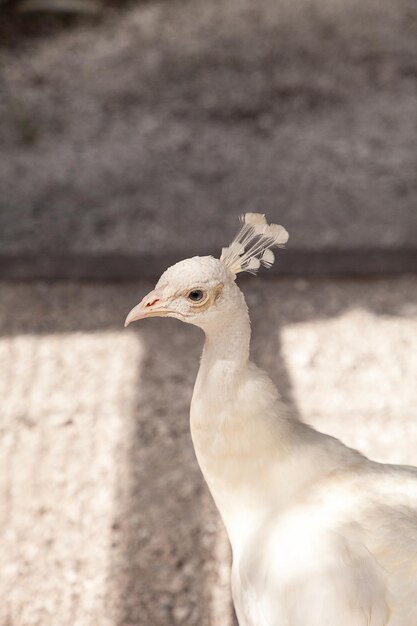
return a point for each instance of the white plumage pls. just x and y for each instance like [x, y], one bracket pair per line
[320, 535]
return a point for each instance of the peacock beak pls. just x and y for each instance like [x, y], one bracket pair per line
[152, 305]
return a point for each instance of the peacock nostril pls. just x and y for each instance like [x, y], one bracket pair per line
[153, 302]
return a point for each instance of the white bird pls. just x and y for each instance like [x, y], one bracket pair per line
[320, 535]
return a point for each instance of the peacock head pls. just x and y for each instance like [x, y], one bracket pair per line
[202, 290]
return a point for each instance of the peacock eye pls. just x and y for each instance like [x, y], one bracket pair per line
[196, 295]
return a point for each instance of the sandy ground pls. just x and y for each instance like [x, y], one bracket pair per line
[104, 515]
[153, 126]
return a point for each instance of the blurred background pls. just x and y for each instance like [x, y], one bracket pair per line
[132, 135]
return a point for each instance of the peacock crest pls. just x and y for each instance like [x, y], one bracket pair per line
[252, 245]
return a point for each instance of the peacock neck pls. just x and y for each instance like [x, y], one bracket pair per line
[229, 342]
[225, 355]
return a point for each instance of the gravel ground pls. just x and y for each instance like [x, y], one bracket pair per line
[146, 131]
[104, 516]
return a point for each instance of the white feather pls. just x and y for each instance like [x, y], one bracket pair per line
[253, 265]
[268, 257]
[251, 246]
[236, 248]
[255, 218]
[277, 233]
[257, 221]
